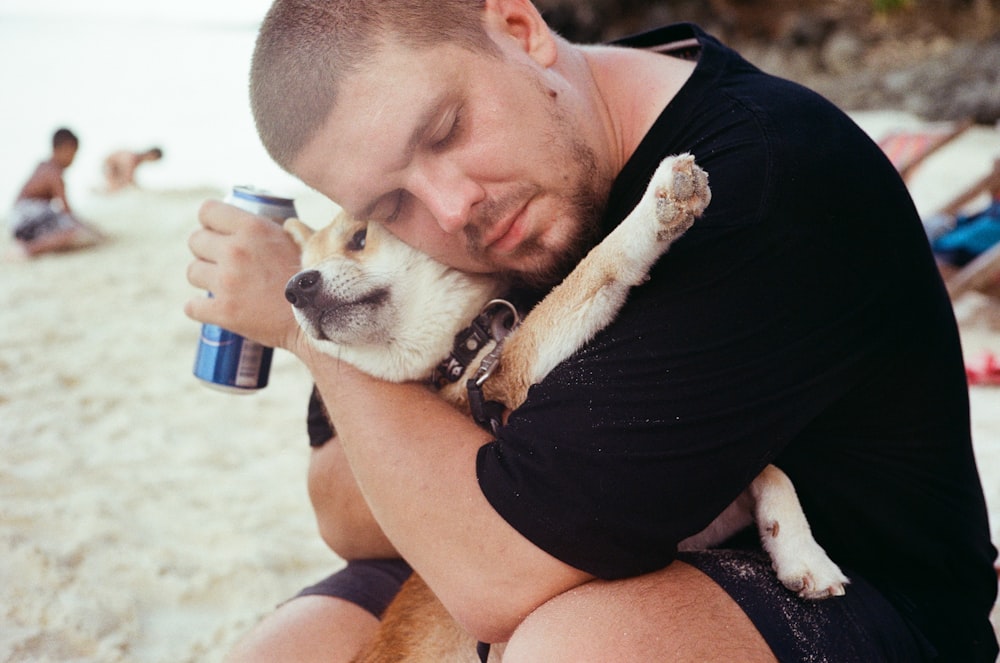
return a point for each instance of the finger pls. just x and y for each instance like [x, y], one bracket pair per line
[221, 217]
[201, 274]
[201, 309]
[203, 244]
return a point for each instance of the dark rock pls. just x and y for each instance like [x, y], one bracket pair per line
[939, 59]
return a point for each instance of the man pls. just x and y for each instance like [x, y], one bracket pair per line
[120, 167]
[801, 321]
[41, 220]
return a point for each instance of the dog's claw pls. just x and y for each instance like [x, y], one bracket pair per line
[804, 583]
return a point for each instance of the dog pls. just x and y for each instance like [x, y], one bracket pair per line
[391, 311]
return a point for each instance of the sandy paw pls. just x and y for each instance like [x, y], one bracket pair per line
[813, 576]
[682, 194]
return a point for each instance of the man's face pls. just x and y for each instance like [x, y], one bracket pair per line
[465, 157]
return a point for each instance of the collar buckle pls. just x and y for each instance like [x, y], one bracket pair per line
[494, 322]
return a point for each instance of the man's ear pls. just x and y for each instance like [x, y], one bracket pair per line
[519, 20]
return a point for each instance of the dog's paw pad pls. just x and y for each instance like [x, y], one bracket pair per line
[682, 194]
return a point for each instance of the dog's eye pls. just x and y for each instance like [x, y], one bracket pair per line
[357, 242]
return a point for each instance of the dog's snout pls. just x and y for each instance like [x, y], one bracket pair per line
[302, 287]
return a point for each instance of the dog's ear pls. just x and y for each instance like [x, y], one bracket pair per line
[299, 231]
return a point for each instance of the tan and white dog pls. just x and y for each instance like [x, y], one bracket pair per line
[393, 312]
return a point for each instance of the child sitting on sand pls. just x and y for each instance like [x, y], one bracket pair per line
[41, 220]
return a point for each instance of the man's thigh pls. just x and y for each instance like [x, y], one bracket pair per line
[677, 614]
[714, 605]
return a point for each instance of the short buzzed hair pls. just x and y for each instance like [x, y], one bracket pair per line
[64, 136]
[305, 47]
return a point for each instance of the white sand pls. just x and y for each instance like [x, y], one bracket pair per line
[146, 518]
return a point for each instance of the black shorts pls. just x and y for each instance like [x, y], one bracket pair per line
[38, 227]
[860, 626]
[370, 583]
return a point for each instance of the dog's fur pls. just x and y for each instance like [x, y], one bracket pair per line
[393, 312]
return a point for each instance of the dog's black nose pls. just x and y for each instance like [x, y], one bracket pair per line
[302, 287]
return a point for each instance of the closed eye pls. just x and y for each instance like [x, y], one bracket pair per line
[452, 128]
[453, 132]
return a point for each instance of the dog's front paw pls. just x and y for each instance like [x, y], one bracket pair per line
[682, 194]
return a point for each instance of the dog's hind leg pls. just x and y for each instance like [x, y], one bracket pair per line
[799, 561]
[591, 296]
[417, 629]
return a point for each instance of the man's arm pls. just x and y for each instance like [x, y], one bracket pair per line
[414, 458]
[412, 454]
[344, 521]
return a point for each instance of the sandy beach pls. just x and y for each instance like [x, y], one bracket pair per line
[146, 518]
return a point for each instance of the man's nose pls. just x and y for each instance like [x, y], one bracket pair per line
[449, 197]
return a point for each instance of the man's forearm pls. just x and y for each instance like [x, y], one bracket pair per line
[413, 457]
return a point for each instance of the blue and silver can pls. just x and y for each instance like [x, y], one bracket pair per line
[225, 360]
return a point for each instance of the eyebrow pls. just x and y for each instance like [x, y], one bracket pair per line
[420, 129]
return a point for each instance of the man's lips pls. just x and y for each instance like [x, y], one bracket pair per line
[508, 234]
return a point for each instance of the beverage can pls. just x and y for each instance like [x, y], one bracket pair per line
[226, 360]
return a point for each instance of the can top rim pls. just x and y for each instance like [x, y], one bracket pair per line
[251, 192]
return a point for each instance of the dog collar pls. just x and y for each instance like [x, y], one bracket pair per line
[493, 323]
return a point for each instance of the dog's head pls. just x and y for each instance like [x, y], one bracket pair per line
[344, 294]
[370, 299]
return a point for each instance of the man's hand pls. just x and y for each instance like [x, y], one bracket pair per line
[245, 261]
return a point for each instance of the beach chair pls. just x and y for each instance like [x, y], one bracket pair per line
[907, 148]
[983, 273]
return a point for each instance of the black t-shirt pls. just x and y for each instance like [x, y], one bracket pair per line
[800, 322]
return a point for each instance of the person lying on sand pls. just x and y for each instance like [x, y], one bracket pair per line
[120, 167]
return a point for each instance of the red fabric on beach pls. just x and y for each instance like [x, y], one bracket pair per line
[985, 371]
[906, 149]
[903, 147]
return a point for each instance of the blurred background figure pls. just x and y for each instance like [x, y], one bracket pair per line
[120, 167]
[41, 219]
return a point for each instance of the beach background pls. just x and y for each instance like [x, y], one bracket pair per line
[144, 517]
